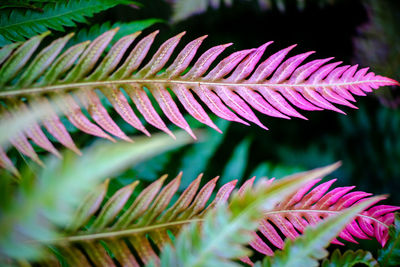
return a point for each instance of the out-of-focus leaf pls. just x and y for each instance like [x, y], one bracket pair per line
[390, 254]
[50, 199]
[199, 154]
[350, 258]
[237, 163]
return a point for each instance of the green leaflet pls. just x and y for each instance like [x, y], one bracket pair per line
[350, 258]
[18, 24]
[390, 254]
[306, 250]
[51, 198]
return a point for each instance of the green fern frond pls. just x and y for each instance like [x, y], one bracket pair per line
[306, 250]
[350, 258]
[16, 24]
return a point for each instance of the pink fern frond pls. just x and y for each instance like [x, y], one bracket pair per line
[236, 86]
[311, 205]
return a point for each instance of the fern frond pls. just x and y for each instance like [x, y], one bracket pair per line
[16, 24]
[306, 250]
[306, 207]
[147, 220]
[237, 83]
[350, 258]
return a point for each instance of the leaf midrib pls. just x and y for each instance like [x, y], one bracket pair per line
[120, 233]
[61, 87]
[323, 211]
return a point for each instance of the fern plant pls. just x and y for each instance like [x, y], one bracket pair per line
[236, 82]
[128, 228]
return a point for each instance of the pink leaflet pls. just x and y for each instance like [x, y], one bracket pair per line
[136, 57]
[247, 65]
[321, 73]
[331, 96]
[169, 107]
[258, 244]
[160, 58]
[114, 56]
[286, 68]
[215, 104]
[22, 145]
[121, 105]
[201, 199]
[184, 58]
[192, 106]
[304, 71]
[92, 103]
[55, 127]
[296, 99]
[276, 100]
[318, 100]
[35, 133]
[315, 194]
[348, 74]
[237, 104]
[204, 62]
[74, 114]
[145, 107]
[271, 234]
[226, 65]
[6, 163]
[332, 197]
[258, 102]
[267, 67]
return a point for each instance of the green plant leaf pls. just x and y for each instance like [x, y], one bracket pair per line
[50, 200]
[390, 254]
[16, 24]
[350, 258]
